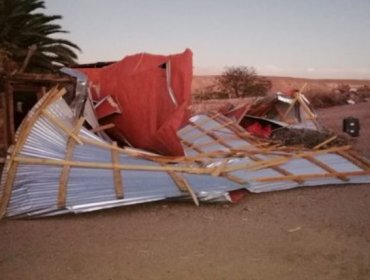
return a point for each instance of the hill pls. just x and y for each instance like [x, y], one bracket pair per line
[280, 83]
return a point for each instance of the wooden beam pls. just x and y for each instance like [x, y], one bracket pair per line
[102, 127]
[312, 176]
[40, 78]
[211, 135]
[277, 169]
[5, 116]
[103, 165]
[187, 129]
[22, 137]
[9, 93]
[234, 178]
[354, 159]
[325, 167]
[183, 185]
[281, 160]
[63, 180]
[191, 146]
[61, 125]
[327, 141]
[117, 178]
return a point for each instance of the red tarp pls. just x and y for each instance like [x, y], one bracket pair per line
[139, 84]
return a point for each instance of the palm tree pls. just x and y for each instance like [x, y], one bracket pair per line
[25, 37]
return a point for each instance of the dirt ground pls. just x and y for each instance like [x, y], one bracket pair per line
[309, 233]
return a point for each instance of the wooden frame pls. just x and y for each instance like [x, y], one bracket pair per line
[25, 82]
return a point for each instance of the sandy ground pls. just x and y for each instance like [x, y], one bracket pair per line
[310, 233]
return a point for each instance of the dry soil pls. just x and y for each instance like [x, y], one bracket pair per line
[309, 233]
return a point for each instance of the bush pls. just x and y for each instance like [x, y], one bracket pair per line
[322, 99]
[242, 81]
[209, 94]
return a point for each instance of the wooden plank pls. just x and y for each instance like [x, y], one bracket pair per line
[196, 134]
[327, 141]
[102, 165]
[281, 160]
[63, 180]
[191, 146]
[238, 130]
[355, 160]
[5, 125]
[40, 78]
[297, 98]
[118, 185]
[234, 178]
[312, 176]
[102, 127]
[325, 167]
[100, 144]
[57, 122]
[187, 129]
[9, 92]
[308, 111]
[183, 185]
[22, 137]
[242, 115]
[291, 106]
[211, 135]
[364, 161]
[277, 169]
[220, 169]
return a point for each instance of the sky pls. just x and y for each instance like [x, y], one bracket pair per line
[300, 38]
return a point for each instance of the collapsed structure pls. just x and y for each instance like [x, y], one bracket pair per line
[62, 163]
[146, 98]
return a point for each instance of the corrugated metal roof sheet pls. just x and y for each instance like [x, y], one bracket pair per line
[39, 162]
[57, 166]
[260, 167]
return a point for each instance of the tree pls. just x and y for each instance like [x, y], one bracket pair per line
[242, 81]
[26, 37]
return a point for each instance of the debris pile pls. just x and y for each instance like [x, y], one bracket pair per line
[307, 138]
[64, 162]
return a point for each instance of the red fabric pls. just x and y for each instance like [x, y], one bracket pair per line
[258, 130]
[237, 195]
[149, 118]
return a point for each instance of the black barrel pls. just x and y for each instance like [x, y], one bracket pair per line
[351, 126]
